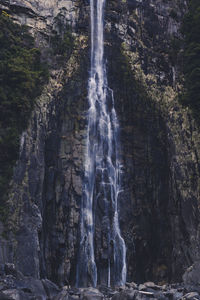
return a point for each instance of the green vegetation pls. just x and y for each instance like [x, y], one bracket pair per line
[62, 40]
[191, 59]
[22, 76]
[62, 45]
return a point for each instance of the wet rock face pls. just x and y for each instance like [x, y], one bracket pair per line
[159, 214]
[144, 222]
[63, 187]
[43, 227]
[191, 276]
[159, 196]
[146, 187]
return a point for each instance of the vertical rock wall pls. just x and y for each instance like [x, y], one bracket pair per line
[159, 212]
[43, 225]
[160, 220]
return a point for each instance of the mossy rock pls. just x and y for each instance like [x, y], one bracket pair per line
[22, 76]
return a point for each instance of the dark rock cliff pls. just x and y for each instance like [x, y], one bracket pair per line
[159, 208]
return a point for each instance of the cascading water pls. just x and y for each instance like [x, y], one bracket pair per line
[102, 167]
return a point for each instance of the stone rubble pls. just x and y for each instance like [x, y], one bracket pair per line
[15, 286]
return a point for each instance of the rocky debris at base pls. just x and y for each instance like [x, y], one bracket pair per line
[15, 286]
[132, 291]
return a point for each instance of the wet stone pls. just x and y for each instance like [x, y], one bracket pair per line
[148, 294]
[173, 294]
[132, 285]
[142, 287]
[125, 295]
[14, 294]
[104, 289]
[192, 295]
[74, 291]
[92, 294]
[152, 285]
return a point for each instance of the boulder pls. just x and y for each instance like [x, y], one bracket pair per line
[4, 297]
[132, 285]
[63, 295]
[32, 286]
[125, 295]
[147, 294]
[191, 276]
[108, 291]
[192, 295]
[152, 285]
[13, 294]
[10, 269]
[142, 287]
[50, 288]
[173, 294]
[92, 294]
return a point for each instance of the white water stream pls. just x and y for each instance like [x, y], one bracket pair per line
[102, 165]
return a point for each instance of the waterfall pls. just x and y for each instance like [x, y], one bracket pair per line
[102, 167]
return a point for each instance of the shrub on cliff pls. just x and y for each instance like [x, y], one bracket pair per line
[62, 45]
[191, 68]
[22, 76]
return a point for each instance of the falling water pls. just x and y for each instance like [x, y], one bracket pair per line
[102, 167]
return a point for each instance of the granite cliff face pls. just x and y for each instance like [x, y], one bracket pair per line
[159, 209]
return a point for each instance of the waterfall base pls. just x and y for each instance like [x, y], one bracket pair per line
[14, 285]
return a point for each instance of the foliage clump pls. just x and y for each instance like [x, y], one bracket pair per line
[62, 45]
[22, 76]
[191, 66]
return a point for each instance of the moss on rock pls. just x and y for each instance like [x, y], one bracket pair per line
[22, 76]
